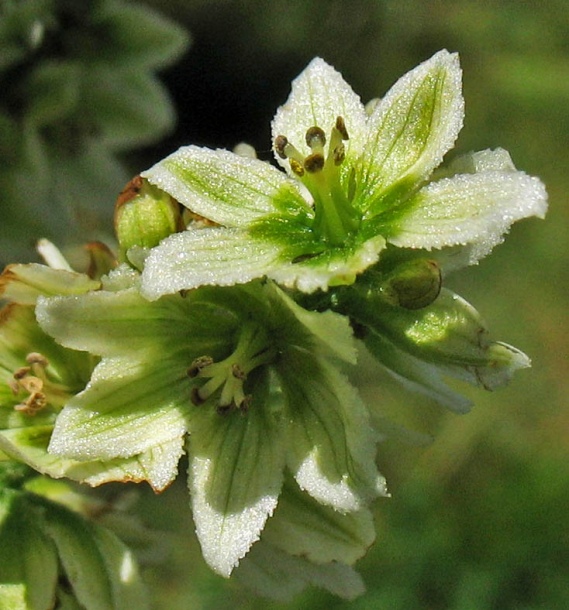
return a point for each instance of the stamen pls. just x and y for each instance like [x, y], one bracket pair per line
[335, 217]
[280, 145]
[315, 138]
[198, 364]
[341, 127]
[225, 379]
[314, 163]
[34, 381]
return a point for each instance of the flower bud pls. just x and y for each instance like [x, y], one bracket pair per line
[144, 215]
[413, 284]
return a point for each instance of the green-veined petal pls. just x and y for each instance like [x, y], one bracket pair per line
[331, 444]
[475, 209]
[410, 131]
[24, 283]
[219, 185]
[235, 477]
[334, 267]
[319, 95]
[305, 528]
[157, 465]
[128, 407]
[200, 257]
[275, 574]
[114, 323]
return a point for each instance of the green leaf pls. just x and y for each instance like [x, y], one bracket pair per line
[101, 570]
[235, 477]
[410, 131]
[27, 555]
[221, 186]
[53, 92]
[137, 36]
[129, 107]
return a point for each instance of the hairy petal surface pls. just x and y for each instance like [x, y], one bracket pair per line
[319, 95]
[475, 209]
[223, 187]
[331, 444]
[235, 477]
[410, 131]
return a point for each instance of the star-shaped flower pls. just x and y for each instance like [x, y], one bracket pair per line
[246, 382]
[354, 183]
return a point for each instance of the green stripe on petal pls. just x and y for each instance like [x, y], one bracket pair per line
[127, 408]
[332, 446]
[319, 95]
[158, 465]
[303, 527]
[235, 477]
[334, 267]
[475, 209]
[410, 131]
[114, 323]
[218, 185]
[272, 573]
[217, 256]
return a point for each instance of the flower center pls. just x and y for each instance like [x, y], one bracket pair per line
[226, 379]
[335, 217]
[39, 391]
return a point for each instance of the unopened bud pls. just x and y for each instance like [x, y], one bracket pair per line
[413, 284]
[144, 215]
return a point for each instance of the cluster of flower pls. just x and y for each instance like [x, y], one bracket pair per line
[239, 294]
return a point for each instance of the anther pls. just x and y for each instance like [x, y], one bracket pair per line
[315, 138]
[37, 358]
[297, 168]
[198, 364]
[341, 127]
[238, 372]
[339, 154]
[280, 144]
[314, 163]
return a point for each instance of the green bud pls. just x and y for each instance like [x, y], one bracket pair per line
[413, 284]
[144, 215]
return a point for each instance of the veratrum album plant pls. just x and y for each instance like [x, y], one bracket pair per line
[226, 325]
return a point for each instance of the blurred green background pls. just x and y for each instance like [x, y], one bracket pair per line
[478, 517]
